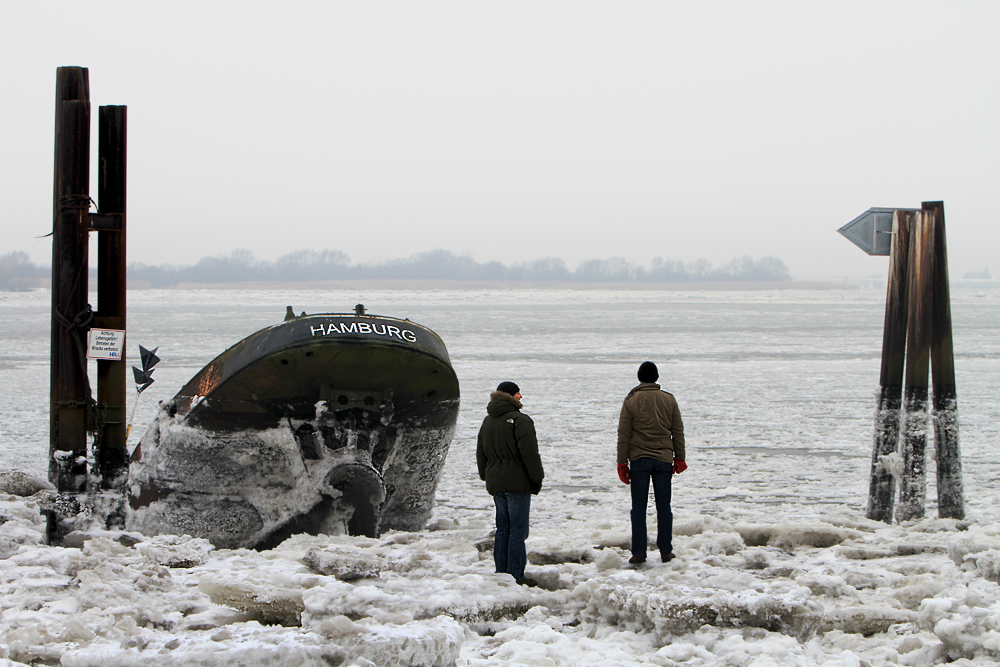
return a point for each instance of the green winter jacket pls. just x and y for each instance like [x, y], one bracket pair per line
[507, 450]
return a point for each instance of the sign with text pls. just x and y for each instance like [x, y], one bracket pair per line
[105, 344]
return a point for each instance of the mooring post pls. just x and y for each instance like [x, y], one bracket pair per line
[882, 486]
[951, 502]
[109, 433]
[913, 481]
[70, 395]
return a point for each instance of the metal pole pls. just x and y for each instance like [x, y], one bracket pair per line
[71, 314]
[882, 486]
[951, 503]
[109, 436]
[913, 481]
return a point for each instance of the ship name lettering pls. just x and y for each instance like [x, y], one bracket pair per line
[363, 328]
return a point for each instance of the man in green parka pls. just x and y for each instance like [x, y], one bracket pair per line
[507, 456]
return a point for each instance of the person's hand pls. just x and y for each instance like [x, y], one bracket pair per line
[623, 473]
[679, 466]
[535, 488]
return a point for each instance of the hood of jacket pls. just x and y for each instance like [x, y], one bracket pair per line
[501, 403]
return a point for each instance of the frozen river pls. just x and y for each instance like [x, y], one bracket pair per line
[776, 387]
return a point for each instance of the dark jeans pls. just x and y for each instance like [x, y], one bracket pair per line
[660, 472]
[509, 553]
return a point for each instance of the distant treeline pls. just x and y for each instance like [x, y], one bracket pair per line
[18, 274]
[319, 265]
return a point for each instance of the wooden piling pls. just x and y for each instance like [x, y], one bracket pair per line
[109, 433]
[951, 503]
[70, 395]
[882, 485]
[913, 478]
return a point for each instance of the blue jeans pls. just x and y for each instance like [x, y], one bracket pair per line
[509, 553]
[660, 472]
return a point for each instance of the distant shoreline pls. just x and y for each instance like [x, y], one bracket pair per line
[433, 284]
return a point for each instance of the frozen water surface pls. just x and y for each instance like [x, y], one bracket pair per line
[776, 563]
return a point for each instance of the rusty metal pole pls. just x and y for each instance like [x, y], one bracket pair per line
[882, 486]
[913, 480]
[71, 314]
[951, 502]
[109, 436]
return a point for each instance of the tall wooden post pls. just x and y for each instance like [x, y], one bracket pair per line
[71, 315]
[951, 503]
[109, 432]
[913, 481]
[882, 486]
[919, 296]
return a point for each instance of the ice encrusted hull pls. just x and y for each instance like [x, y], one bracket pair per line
[323, 424]
[254, 488]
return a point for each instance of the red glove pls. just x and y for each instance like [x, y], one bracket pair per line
[679, 466]
[623, 473]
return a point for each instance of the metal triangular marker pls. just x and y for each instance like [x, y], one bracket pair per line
[148, 357]
[142, 379]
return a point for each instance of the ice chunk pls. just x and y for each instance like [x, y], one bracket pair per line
[790, 535]
[646, 608]
[268, 603]
[344, 563]
[435, 642]
[174, 551]
[19, 483]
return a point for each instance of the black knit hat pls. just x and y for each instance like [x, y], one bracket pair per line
[508, 388]
[648, 372]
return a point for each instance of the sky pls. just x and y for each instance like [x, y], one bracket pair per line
[519, 130]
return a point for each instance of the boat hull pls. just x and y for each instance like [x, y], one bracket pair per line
[322, 424]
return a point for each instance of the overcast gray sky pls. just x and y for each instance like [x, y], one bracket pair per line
[514, 131]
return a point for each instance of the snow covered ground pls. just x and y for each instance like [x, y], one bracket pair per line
[776, 563]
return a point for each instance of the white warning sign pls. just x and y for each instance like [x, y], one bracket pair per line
[106, 344]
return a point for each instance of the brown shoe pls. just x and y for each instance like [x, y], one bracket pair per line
[635, 560]
[666, 558]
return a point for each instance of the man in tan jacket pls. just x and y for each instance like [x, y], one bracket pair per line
[651, 439]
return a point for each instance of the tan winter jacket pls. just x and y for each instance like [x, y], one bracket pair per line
[650, 426]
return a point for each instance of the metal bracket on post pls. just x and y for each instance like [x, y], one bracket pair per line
[106, 222]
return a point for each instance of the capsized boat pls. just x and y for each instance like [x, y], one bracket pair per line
[323, 424]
